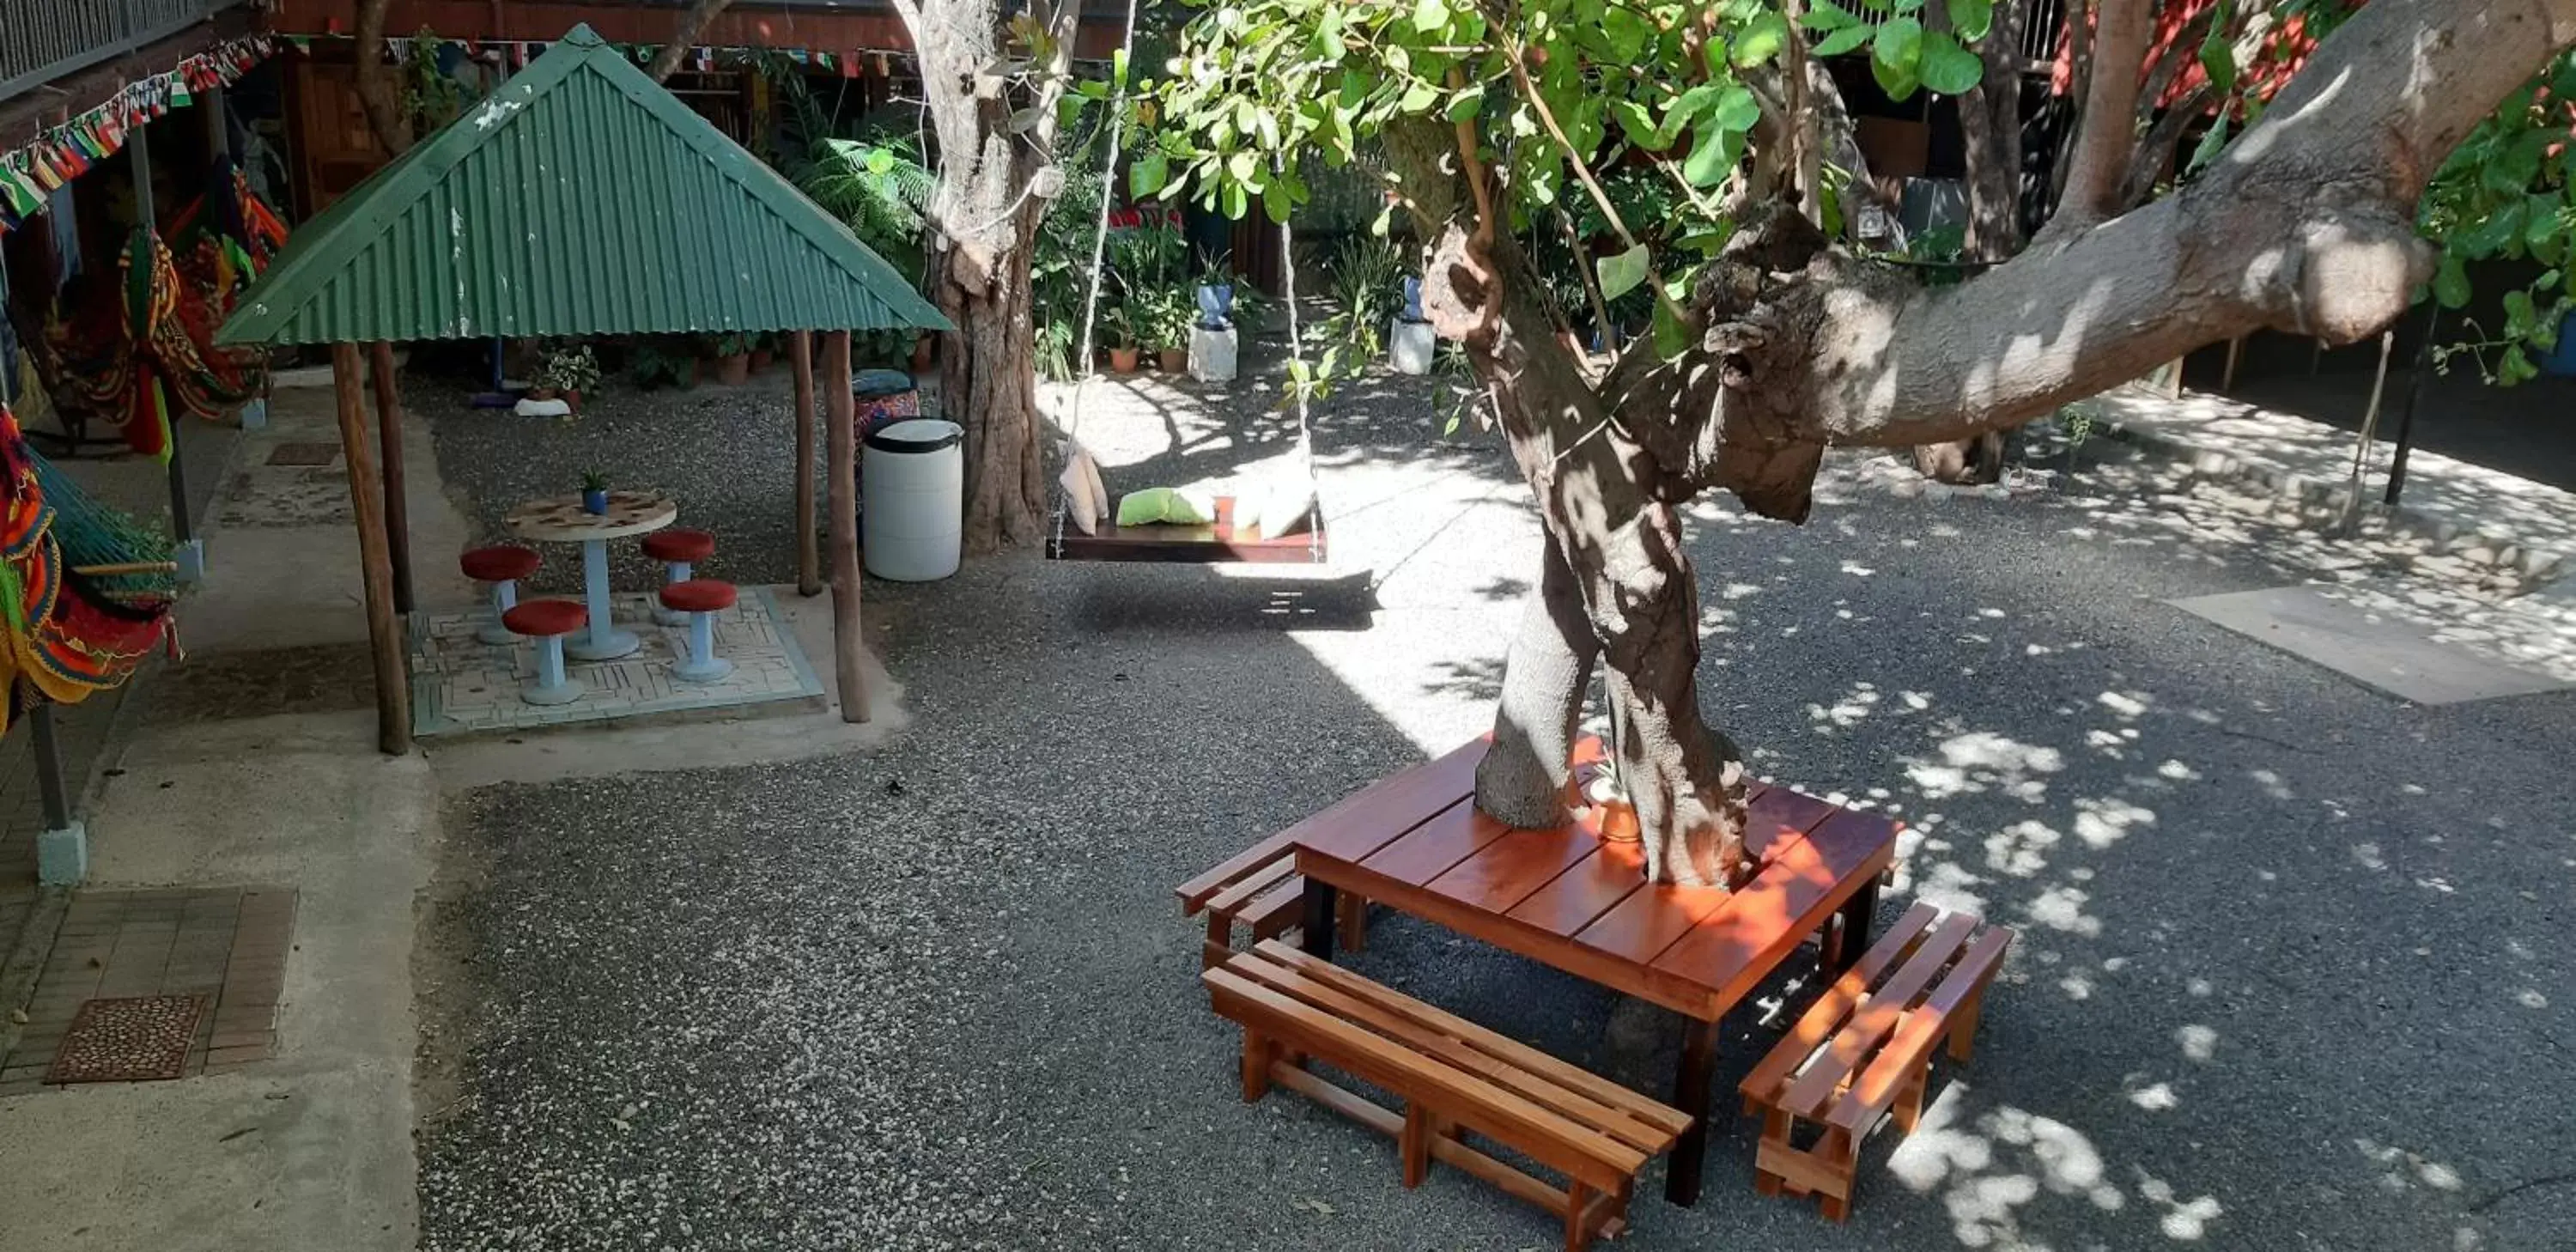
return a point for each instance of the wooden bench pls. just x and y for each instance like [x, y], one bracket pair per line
[1260, 889]
[1864, 1050]
[1452, 1075]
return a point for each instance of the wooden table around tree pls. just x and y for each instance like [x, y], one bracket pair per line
[563, 520]
[1566, 897]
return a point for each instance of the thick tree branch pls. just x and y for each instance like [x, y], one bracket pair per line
[2305, 224]
[2108, 128]
[2155, 152]
[692, 25]
[1990, 119]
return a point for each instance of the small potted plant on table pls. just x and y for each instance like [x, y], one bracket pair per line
[594, 493]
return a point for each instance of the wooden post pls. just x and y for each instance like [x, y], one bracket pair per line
[839, 409]
[389, 431]
[809, 563]
[375, 566]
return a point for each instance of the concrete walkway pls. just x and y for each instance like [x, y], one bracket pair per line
[2479, 522]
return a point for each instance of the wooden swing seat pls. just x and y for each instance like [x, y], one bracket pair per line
[1221, 543]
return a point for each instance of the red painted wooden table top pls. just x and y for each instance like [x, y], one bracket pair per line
[1416, 843]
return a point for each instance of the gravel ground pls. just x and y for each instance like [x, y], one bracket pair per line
[2285, 943]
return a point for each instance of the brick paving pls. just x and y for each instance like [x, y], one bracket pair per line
[227, 944]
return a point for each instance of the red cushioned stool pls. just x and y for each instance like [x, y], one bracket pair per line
[677, 549]
[502, 566]
[547, 622]
[701, 599]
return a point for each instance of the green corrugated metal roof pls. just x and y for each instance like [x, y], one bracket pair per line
[579, 199]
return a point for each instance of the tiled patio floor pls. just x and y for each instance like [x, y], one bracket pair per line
[227, 945]
[462, 685]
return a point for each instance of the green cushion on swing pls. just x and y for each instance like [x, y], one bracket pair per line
[1166, 505]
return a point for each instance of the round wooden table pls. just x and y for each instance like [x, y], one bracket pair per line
[561, 519]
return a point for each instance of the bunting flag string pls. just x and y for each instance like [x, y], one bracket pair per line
[29, 175]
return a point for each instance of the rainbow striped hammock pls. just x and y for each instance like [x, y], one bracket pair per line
[85, 590]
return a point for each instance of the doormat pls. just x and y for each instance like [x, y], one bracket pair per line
[304, 454]
[132, 1039]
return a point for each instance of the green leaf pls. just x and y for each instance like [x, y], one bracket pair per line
[1634, 121]
[1899, 45]
[2217, 55]
[1328, 35]
[1418, 97]
[1761, 40]
[1243, 166]
[1713, 157]
[1430, 15]
[1678, 117]
[1275, 201]
[2544, 332]
[1148, 174]
[1626, 32]
[2518, 313]
[1466, 103]
[2540, 220]
[2516, 367]
[1621, 274]
[1737, 109]
[1672, 335]
[1898, 81]
[1971, 19]
[2212, 141]
[1844, 40]
[1948, 68]
[1237, 202]
[1827, 15]
[2451, 282]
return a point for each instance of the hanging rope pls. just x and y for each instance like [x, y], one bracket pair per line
[1297, 354]
[1099, 257]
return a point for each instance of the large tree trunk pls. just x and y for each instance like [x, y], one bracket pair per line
[692, 24]
[988, 384]
[378, 97]
[2305, 225]
[995, 176]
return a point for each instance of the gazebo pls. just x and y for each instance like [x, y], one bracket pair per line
[580, 199]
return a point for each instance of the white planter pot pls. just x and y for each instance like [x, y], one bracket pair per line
[1412, 346]
[1212, 354]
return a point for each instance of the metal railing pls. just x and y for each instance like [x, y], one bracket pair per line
[2043, 26]
[41, 40]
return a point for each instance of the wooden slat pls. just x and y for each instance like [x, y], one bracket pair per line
[1911, 1049]
[1401, 1027]
[1877, 1016]
[1261, 880]
[1774, 815]
[1672, 991]
[1283, 907]
[1391, 1124]
[1734, 949]
[1481, 1106]
[1401, 800]
[1644, 1108]
[1505, 872]
[1644, 927]
[1586, 890]
[1183, 545]
[1820, 1020]
[1432, 848]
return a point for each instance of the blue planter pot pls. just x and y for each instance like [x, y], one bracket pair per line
[1412, 299]
[1216, 305]
[594, 502]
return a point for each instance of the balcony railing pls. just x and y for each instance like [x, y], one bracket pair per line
[41, 40]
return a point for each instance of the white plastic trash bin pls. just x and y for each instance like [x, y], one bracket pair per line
[912, 488]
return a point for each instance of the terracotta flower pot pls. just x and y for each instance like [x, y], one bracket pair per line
[735, 370]
[1122, 360]
[573, 398]
[761, 359]
[1174, 360]
[542, 394]
[924, 349]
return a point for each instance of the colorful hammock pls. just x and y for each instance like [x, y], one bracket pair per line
[156, 351]
[85, 589]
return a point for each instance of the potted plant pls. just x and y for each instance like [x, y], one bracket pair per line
[733, 359]
[1122, 339]
[594, 493]
[763, 352]
[566, 372]
[1169, 314]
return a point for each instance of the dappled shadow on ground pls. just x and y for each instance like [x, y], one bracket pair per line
[2280, 935]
